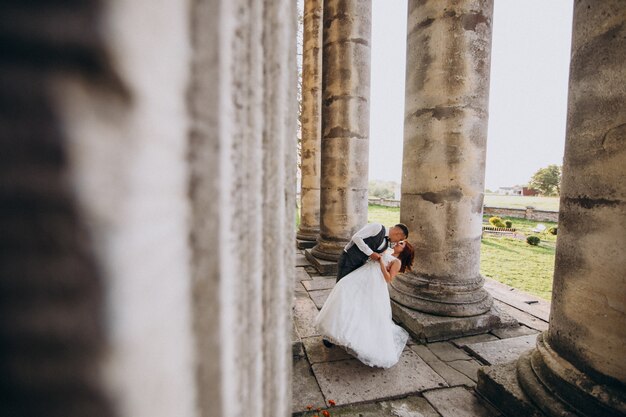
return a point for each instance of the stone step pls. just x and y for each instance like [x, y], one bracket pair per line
[502, 351]
[528, 303]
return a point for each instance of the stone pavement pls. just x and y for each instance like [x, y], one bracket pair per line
[430, 380]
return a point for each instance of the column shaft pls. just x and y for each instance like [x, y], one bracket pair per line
[582, 357]
[446, 111]
[345, 124]
[311, 120]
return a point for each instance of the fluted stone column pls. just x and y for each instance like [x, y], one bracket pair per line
[345, 124]
[579, 364]
[446, 111]
[311, 121]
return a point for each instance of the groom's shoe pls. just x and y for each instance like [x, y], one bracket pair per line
[327, 343]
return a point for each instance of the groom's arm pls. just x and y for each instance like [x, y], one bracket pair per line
[368, 230]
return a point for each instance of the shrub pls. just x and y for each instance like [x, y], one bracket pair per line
[496, 221]
[533, 240]
[508, 223]
[552, 230]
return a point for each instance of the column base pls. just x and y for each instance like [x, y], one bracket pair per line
[442, 297]
[540, 383]
[328, 250]
[304, 244]
[499, 386]
[308, 234]
[426, 327]
[322, 266]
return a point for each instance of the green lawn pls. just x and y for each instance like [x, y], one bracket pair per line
[508, 260]
[516, 201]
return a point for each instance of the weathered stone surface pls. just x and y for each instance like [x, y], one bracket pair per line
[311, 123]
[304, 244]
[522, 317]
[319, 297]
[447, 351]
[445, 133]
[316, 352]
[297, 348]
[462, 341]
[502, 351]
[320, 284]
[514, 332]
[412, 406]
[467, 368]
[299, 289]
[427, 327]
[500, 386]
[322, 266]
[449, 374]
[409, 407]
[304, 314]
[301, 260]
[305, 390]
[459, 402]
[345, 125]
[528, 303]
[350, 381]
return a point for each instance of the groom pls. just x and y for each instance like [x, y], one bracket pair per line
[369, 242]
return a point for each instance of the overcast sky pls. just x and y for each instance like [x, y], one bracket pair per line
[528, 96]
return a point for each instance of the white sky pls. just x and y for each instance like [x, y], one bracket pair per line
[528, 96]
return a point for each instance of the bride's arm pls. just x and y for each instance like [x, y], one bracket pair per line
[394, 267]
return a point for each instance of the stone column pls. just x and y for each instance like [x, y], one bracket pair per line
[345, 124]
[311, 121]
[579, 364]
[446, 111]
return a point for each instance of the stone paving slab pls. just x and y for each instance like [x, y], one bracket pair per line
[302, 275]
[412, 406]
[451, 375]
[299, 288]
[522, 317]
[301, 260]
[305, 390]
[462, 341]
[319, 284]
[459, 402]
[503, 351]
[467, 368]
[297, 348]
[514, 332]
[350, 381]
[447, 351]
[317, 352]
[528, 303]
[319, 297]
[304, 314]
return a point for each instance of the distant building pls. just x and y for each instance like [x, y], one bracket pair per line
[516, 190]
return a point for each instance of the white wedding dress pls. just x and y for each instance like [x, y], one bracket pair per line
[357, 316]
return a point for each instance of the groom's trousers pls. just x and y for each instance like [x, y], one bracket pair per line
[348, 262]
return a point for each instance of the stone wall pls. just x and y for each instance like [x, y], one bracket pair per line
[528, 213]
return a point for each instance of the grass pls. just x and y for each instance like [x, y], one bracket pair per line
[507, 260]
[516, 201]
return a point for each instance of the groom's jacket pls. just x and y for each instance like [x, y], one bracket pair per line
[353, 257]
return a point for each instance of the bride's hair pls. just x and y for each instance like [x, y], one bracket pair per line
[406, 257]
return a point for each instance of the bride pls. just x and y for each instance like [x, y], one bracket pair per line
[357, 313]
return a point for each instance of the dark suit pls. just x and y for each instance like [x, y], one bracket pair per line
[353, 258]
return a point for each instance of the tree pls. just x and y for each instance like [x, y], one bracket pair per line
[547, 180]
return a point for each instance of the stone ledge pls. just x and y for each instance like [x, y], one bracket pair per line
[322, 266]
[305, 244]
[498, 385]
[429, 328]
